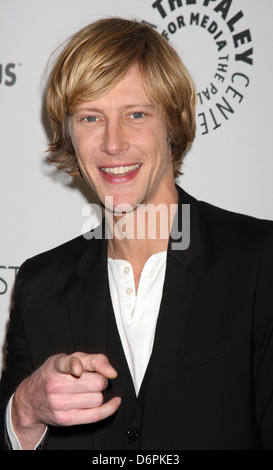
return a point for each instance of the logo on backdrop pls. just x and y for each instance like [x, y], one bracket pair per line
[8, 74]
[216, 46]
[7, 278]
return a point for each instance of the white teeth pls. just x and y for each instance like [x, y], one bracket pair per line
[120, 170]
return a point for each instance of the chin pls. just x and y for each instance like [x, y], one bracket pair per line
[120, 203]
[120, 207]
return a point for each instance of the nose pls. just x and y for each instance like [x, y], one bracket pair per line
[114, 140]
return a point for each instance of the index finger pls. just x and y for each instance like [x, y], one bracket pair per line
[97, 363]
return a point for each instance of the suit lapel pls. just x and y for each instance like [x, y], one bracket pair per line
[86, 299]
[176, 300]
[180, 280]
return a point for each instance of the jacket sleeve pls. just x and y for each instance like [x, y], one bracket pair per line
[18, 363]
[263, 343]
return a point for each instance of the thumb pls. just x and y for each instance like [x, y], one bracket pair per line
[69, 365]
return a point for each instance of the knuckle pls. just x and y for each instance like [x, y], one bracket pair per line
[98, 399]
[66, 419]
[53, 402]
[61, 418]
[99, 358]
[100, 382]
[51, 387]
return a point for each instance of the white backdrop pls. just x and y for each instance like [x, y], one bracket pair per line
[226, 45]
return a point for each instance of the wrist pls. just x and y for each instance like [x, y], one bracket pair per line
[25, 426]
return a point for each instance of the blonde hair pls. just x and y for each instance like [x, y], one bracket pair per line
[95, 59]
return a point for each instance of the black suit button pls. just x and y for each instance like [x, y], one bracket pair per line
[132, 434]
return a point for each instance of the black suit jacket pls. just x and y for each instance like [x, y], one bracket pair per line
[209, 382]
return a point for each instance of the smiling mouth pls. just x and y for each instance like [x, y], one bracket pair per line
[120, 170]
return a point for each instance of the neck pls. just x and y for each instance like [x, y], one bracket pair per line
[137, 235]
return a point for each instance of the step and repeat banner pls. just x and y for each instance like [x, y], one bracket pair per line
[226, 45]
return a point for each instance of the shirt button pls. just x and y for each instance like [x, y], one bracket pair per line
[129, 290]
[132, 434]
[126, 270]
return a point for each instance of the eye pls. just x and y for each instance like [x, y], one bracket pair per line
[136, 115]
[90, 119]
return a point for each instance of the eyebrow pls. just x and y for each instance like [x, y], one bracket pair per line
[139, 105]
[127, 106]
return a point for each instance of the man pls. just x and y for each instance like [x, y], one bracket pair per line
[138, 342]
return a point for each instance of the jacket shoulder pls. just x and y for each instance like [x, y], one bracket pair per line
[65, 252]
[60, 261]
[230, 229]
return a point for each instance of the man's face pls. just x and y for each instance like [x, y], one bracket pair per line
[121, 145]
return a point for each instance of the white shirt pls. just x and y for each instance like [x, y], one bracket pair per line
[136, 317]
[136, 312]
